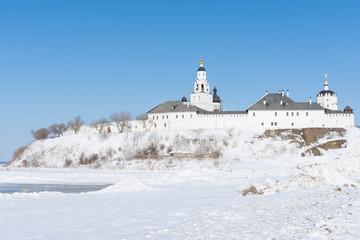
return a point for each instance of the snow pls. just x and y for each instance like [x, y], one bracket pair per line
[301, 197]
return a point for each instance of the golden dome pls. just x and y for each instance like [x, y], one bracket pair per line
[201, 62]
[325, 78]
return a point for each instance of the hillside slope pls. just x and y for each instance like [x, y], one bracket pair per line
[178, 149]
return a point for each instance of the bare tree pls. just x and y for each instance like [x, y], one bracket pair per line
[41, 133]
[147, 123]
[76, 124]
[122, 120]
[58, 129]
[100, 124]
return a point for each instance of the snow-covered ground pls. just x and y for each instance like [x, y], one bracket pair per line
[301, 198]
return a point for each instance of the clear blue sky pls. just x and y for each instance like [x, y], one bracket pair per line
[60, 59]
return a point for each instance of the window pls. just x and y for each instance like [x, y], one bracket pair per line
[163, 117]
[275, 113]
[262, 124]
[182, 116]
[157, 117]
[164, 124]
[292, 113]
[155, 125]
[287, 113]
[167, 116]
[307, 114]
[153, 117]
[272, 124]
[297, 114]
[190, 115]
[292, 124]
[176, 116]
[202, 87]
[275, 123]
[254, 114]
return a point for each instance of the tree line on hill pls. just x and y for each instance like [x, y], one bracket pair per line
[120, 119]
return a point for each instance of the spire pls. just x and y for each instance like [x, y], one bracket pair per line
[326, 87]
[201, 62]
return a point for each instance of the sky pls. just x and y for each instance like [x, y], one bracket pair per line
[62, 59]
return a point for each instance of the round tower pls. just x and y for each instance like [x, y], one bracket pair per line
[327, 98]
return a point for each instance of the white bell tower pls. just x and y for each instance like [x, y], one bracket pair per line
[327, 98]
[201, 97]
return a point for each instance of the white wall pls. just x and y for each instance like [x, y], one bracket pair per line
[257, 119]
[202, 100]
[327, 101]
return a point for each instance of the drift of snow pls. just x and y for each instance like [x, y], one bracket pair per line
[297, 197]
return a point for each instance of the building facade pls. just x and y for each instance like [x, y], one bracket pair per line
[273, 110]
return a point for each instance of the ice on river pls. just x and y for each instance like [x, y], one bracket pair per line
[192, 204]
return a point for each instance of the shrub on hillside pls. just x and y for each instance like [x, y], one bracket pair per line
[17, 154]
[41, 133]
[76, 124]
[58, 129]
[68, 163]
[88, 160]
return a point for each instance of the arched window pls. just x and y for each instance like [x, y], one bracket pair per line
[202, 87]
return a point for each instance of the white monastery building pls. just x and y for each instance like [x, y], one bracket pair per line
[273, 110]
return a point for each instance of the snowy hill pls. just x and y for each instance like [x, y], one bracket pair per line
[182, 149]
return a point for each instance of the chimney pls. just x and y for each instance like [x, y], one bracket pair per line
[266, 93]
[310, 100]
[279, 91]
[282, 93]
[281, 102]
[264, 102]
[187, 103]
[287, 93]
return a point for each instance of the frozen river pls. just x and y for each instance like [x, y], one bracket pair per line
[192, 204]
[64, 188]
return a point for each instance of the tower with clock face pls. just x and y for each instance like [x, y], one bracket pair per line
[201, 97]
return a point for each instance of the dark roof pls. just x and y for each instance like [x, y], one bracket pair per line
[216, 98]
[277, 101]
[201, 69]
[184, 99]
[348, 109]
[222, 112]
[329, 111]
[323, 92]
[174, 106]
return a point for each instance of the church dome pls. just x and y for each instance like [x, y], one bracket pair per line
[216, 98]
[326, 92]
[201, 69]
[184, 99]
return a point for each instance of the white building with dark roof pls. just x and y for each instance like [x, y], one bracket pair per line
[273, 110]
